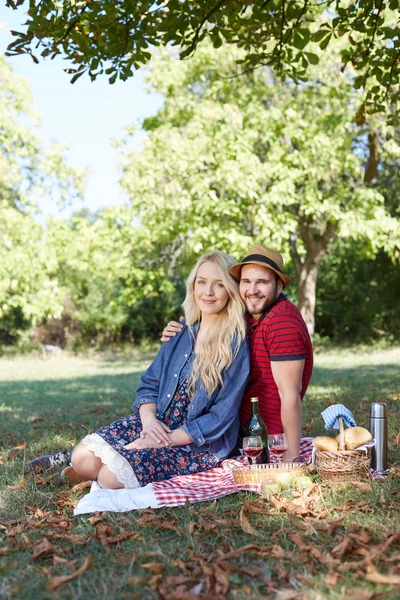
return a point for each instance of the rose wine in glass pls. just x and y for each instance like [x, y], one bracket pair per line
[252, 447]
[256, 427]
[278, 445]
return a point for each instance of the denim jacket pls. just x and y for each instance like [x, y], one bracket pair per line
[212, 422]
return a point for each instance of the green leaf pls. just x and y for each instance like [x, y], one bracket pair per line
[312, 58]
[77, 75]
[301, 37]
[325, 42]
[320, 34]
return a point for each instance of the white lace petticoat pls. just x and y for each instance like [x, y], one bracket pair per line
[114, 461]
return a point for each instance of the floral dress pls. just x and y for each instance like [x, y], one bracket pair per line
[134, 468]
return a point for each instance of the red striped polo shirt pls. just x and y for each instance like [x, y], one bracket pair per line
[279, 334]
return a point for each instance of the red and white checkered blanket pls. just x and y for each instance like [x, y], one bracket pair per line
[198, 487]
[211, 484]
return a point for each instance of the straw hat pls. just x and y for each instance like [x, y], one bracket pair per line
[265, 257]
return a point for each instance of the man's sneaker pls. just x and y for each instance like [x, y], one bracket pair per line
[69, 475]
[49, 461]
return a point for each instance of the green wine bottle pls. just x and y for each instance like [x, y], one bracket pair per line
[257, 426]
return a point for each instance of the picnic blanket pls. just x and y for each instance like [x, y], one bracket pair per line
[198, 487]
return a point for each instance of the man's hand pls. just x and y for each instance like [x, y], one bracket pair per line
[144, 443]
[171, 330]
[155, 430]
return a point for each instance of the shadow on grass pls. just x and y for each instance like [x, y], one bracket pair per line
[29, 409]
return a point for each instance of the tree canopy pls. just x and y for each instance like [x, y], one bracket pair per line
[114, 38]
[29, 288]
[227, 163]
[224, 162]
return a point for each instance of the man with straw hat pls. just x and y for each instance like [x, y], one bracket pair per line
[281, 349]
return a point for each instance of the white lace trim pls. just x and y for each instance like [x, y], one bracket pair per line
[114, 461]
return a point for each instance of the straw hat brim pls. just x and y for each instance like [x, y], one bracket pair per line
[236, 269]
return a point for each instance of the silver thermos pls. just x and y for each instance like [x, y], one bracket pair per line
[378, 426]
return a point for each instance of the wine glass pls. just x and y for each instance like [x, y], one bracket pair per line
[277, 444]
[252, 447]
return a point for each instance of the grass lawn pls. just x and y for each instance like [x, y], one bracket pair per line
[344, 544]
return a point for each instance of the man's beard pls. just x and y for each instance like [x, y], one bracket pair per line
[261, 308]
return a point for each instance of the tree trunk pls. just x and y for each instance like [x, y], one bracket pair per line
[307, 269]
[307, 290]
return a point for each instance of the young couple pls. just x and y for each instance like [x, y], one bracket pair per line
[186, 415]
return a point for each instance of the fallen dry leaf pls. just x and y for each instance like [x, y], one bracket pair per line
[382, 578]
[155, 567]
[26, 538]
[244, 550]
[10, 533]
[97, 517]
[255, 507]
[221, 581]
[190, 527]
[154, 581]
[135, 580]
[43, 547]
[226, 566]
[299, 522]
[245, 523]
[362, 485]
[81, 486]
[342, 548]
[331, 578]
[18, 486]
[59, 560]
[75, 539]
[175, 587]
[56, 582]
[20, 446]
[326, 559]
[288, 595]
[278, 551]
[300, 510]
[359, 594]
[15, 590]
[150, 519]
[128, 560]
[376, 551]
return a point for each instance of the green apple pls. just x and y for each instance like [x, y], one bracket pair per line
[268, 487]
[304, 482]
[311, 470]
[284, 480]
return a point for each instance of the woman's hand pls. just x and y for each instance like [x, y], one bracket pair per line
[155, 430]
[144, 443]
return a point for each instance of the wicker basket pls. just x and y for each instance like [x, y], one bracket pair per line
[343, 465]
[259, 473]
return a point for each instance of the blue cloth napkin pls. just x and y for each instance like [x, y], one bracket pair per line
[332, 413]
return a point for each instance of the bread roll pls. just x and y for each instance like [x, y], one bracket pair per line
[326, 444]
[356, 436]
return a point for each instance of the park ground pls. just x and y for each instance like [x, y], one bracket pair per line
[339, 541]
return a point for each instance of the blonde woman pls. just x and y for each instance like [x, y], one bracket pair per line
[186, 415]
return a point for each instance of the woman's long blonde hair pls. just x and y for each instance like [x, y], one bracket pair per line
[224, 336]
